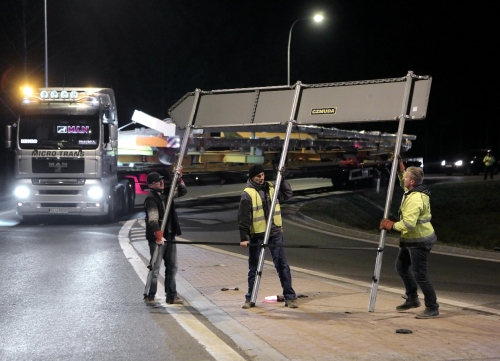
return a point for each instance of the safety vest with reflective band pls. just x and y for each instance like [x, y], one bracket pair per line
[415, 218]
[258, 215]
[489, 160]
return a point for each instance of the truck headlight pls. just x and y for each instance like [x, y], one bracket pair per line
[458, 163]
[443, 162]
[22, 192]
[95, 192]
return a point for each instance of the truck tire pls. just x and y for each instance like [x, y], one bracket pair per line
[110, 217]
[131, 195]
[127, 196]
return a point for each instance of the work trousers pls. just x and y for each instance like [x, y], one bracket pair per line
[167, 253]
[280, 263]
[411, 265]
[488, 169]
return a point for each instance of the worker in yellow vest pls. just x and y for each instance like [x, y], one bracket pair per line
[253, 214]
[488, 161]
[416, 241]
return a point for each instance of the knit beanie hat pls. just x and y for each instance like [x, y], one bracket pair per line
[254, 170]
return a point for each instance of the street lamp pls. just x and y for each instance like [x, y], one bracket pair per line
[317, 18]
[46, 49]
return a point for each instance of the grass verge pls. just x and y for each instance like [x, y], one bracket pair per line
[463, 214]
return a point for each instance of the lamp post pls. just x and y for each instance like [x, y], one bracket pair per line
[46, 49]
[317, 18]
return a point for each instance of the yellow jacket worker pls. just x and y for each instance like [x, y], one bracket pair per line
[416, 241]
[489, 161]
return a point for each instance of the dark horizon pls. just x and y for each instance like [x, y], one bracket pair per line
[152, 54]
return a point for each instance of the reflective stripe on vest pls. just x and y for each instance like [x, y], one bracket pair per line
[258, 216]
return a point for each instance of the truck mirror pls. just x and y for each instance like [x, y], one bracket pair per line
[114, 144]
[8, 136]
[107, 115]
[113, 132]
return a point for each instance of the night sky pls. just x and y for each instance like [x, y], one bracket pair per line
[152, 52]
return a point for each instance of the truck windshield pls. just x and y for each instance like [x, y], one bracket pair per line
[59, 132]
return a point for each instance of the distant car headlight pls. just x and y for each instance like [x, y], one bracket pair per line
[95, 192]
[459, 163]
[22, 192]
[443, 162]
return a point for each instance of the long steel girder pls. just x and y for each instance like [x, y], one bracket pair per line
[259, 108]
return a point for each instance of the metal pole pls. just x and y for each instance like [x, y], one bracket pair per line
[46, 50]
[289, 42]
[178, 168]
[390, 190]
[284, 152]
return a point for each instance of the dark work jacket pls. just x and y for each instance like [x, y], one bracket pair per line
[154, 206]
[245, 210]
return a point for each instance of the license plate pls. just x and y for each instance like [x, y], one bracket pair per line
[58, 210]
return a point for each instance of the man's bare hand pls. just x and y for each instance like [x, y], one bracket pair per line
[244, 244]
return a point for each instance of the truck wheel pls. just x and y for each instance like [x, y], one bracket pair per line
[110, 217]
[127, 196]
[124, 198]
[131, 195]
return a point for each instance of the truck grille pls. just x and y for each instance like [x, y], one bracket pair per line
[58, 181]
[58, 205]
[58, 191]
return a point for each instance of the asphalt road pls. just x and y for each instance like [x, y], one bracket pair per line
[69, 292]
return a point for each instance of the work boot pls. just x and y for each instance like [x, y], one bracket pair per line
[411, 302]
[149, 300]
[247, 305]
[428, 313]
[175, 301]
[291, 304]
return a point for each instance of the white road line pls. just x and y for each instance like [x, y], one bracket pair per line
[256, 347]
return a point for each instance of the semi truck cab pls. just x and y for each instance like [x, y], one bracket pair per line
[66, 155]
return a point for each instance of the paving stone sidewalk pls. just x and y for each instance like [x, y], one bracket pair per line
[333, 322]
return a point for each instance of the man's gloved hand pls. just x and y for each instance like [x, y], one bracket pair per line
[179, 179]
[159, 238]
[244, 243]
[386, 224]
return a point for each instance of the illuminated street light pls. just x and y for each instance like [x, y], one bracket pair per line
[317, 18]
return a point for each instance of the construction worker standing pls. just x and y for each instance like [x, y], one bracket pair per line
[416, 241]
[253, 214]
[154, 206]
[488, 161]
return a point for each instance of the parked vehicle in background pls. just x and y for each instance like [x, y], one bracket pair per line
[469, 162]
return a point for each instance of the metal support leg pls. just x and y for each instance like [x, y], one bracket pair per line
[151, 270]
[390, 191]
[279, 176]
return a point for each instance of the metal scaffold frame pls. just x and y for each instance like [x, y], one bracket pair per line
[396, 99]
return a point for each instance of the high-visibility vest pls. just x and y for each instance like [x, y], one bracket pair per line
[258, 216]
